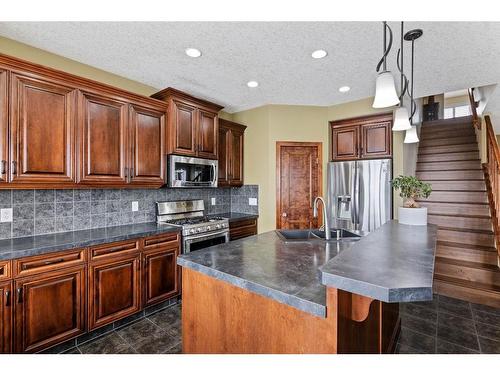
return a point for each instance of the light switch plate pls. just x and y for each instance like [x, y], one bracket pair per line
[135, 206]
[213, 201]
[6, 215]
[252, 201]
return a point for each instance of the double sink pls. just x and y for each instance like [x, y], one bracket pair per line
[298, 235]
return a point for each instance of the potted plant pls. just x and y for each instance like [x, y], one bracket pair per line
[411, 188]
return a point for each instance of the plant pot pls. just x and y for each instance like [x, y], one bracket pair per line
[412, 216]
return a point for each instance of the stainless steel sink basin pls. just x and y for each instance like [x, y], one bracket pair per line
[315, 234]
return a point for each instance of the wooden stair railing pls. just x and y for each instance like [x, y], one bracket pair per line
[492, 171]
[476, 121]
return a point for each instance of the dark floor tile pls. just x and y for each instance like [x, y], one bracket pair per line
[484, 317]
[489, 331]
[60, 348]
[445, 347]
[419, 325]
[136, 333]
[175, 329]
[405, 349]
[175, 350]
[167, 318]
[161, 306]
[453, 301]
[72, 351]
[427, 304]
[457, 337]
[129, 320]
[157, 345]
[418, 341]
[419, 312]
[456, 322]
[92, 335]
[489, 346]
[459, 308]
[109, 344]
[484, 308]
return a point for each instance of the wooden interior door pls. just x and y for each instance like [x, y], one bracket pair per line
[184, 125]
[236, 157]
[207, 134]
[345, 143]
[6, 301]
[102, 139]
[299, 180]
[42, 130]
[147, 140]
[161, 274]
[376, 140]
[49, 309]
[224, 140]
[114, 290]
[4, 126]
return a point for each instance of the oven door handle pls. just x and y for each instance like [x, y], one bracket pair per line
[212, 167]
[203, 236]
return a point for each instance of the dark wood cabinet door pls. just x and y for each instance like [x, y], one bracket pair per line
[236, 157]
[208, 125]
[184, 129]
[102, 139]
[345, 142]
[147, 140]
[161, 274]
[114, 290]
[6, 301]
[376, 140]
[224, 164]
[42, 130]
[4, 126]
[49, 309]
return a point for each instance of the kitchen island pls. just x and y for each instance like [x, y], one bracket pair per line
[264, 294]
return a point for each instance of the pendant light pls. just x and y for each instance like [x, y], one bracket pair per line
[401, 116]
[385, 88]
[411, 134]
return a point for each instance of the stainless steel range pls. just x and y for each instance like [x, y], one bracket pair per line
[198, 230]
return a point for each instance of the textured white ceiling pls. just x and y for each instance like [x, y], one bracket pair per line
[450, 56]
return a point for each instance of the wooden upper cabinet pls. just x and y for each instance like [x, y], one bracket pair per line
[42, 130]
[207, 134]
[102, 139]
[4, 126]
[366, 137]
[231, 139]
[147, 143]
[184, 120]
[6, 300]
[192, 126]
[50, 308]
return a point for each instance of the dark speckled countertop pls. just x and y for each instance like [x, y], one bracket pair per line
[394, 263]
[236, 216]
[36, 245]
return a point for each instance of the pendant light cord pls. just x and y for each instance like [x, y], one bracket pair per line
[387, 47]
[400, 62]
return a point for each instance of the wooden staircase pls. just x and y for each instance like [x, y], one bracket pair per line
[466, 259]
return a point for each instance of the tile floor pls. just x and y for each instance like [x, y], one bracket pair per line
[444, 325]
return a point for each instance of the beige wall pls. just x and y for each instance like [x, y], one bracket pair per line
[268, 124]
[23, 51]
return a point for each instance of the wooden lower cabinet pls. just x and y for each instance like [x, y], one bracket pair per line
[5, 317]
[114, 289]
[242, 228]
[49, 309]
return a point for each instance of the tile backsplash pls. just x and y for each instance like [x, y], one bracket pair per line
[50, 211]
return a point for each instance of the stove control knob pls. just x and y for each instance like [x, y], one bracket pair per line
[209, 227]
[199, 230]
[191, 231]
[217, 226]
[223, 225]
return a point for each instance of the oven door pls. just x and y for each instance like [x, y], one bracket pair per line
[191, 172]
[193, 243]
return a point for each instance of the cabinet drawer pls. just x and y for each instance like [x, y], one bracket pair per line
[5, 269]
[48, 262]
[113, 249]
[163, 240]
[243, 228]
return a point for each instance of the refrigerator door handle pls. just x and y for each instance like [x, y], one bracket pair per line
[353, 194]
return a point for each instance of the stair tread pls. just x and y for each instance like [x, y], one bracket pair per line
[466, 246]
[448, 161]
[467, 230]
[467, 283]
[451, 202]
[464, 216]
[468, 264]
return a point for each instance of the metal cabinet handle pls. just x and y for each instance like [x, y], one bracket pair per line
[125, 172]
[19, 295]
[7, 298]
[3, 167]
[14, 167]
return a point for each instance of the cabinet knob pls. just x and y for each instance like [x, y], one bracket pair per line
[19, 295]
[284, 214]
[7, 298]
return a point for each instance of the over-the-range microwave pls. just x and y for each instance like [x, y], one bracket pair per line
[188, 172]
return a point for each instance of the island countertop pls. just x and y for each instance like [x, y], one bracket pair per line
[294, 273]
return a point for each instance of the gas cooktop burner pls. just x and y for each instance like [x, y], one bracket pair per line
[193, 220]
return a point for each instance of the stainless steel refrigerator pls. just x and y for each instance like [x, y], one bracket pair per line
[359, 194]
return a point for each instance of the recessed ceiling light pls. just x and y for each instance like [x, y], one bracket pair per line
[344, 88]
[252, 84]
[193, 52]
[319, 54]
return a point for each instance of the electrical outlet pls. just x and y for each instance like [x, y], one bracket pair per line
[135, 206]
[213, 201]
[252, 201]
[6, 215]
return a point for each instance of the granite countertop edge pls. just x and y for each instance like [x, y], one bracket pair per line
[236, 216]
[282, 297]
